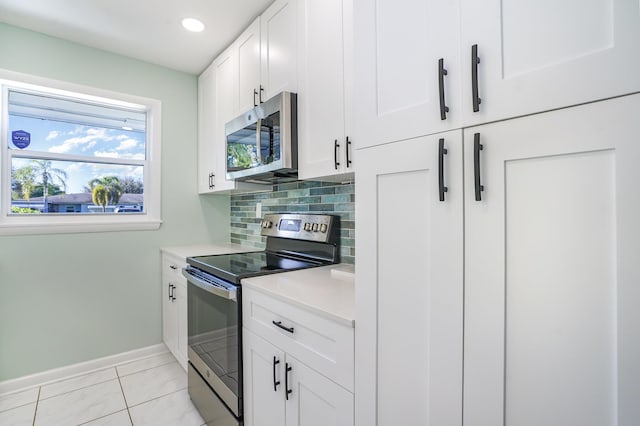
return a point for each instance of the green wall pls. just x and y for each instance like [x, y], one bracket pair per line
[69, 298]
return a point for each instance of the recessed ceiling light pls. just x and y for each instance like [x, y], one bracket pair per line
[193, 24]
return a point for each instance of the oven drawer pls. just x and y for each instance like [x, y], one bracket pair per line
[320, 343]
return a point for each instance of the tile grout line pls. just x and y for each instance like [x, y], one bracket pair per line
[124, 396]
[35, 412]
[144, 369]
[96, 383]
[76, 389]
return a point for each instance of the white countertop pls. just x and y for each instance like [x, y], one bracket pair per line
[205, 249]
[327, 291]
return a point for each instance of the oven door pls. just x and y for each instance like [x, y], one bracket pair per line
[214, 335]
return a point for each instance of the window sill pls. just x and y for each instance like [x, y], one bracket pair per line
[74, 228]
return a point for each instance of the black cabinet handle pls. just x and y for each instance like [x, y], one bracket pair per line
[279, 324]
[475, 60]
[442, 151]
[336, 145]
[347, 151]
[477, 147]
[275, 382]
[169, 288]
[172, 296]
[286, 380]
[444, 109]
[255, 93]
[212, 180]
[261, 90]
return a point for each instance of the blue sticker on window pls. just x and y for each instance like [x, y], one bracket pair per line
[21, 139]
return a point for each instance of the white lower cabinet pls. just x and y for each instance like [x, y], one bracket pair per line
[409, 334]
[174, 307]
[281, 389]
[547, 305]
[551, 269]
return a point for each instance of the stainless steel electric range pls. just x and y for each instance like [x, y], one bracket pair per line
[294, 241]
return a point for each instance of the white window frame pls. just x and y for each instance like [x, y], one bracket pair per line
[15, 224]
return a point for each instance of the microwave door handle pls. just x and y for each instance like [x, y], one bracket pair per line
[218, 291]
[259, 140]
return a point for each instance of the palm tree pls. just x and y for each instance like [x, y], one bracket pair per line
[49, 174]
[111, 184]
[100, 196]
[26, 177]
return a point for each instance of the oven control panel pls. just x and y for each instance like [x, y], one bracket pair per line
[313, 227]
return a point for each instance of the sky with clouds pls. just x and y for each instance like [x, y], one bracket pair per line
[88, 141]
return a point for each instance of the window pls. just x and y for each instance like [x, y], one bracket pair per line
[77, 160]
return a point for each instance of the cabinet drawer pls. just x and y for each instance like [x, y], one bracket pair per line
[172, 269]
[322, 344]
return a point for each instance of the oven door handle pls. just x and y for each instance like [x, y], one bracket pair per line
[211, 288]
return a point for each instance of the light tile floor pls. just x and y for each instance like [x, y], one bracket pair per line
[149, 391]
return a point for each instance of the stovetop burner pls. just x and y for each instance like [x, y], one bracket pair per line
[234, 267]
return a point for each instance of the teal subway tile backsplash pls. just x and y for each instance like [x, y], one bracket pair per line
[296, 197]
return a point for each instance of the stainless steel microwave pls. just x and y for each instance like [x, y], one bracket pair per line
[262, 144]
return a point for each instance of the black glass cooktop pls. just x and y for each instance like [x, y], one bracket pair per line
[234, 267]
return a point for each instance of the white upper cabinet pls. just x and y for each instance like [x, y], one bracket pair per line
[397, 86]
[278, 38]
[226, 106]
[217, 104]
[206, 124]
[248, 47]
[325, 64]
[538, 55]
[503, 59]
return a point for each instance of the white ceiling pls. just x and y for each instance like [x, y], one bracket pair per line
[148, 30]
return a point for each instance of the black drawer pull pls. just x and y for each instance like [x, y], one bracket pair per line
[442, 151]
[279, 324]
[444, 109]
[475, 60]
[275, 382]
[286, 380]
[477, 147]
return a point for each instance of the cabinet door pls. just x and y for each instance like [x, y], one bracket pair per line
[169, 306]
[398, 45]
[263, 369]
[248, 45]
[409, 285]
[169, 317]
[181, 322]
[226, 107]
[315, 400]
[206, 126]
[324, 95]
[279, 48]
[541, 55]
[551, 269]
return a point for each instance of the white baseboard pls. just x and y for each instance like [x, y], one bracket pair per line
[78, 369]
